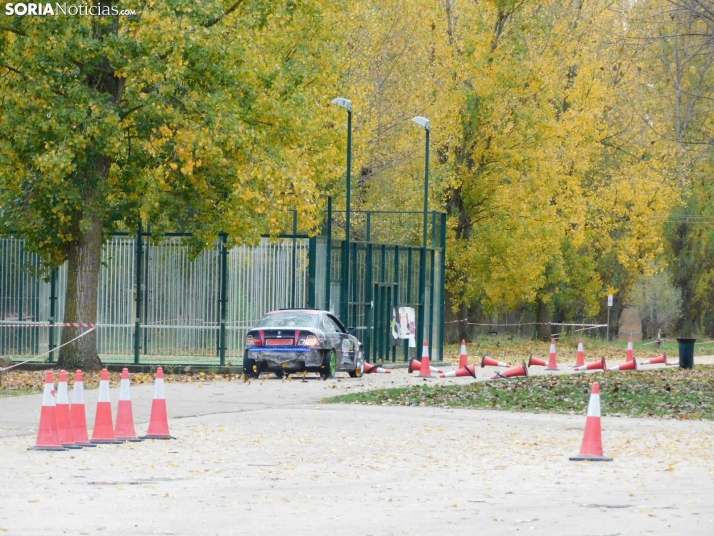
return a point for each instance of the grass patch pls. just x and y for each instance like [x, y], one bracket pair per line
[670, 393]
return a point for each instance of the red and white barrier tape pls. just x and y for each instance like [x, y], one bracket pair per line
[48, 351]
[13, 324]
[466, 321]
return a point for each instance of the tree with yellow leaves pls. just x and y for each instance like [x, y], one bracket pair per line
[201, 115]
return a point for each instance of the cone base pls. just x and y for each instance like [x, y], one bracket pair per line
[130, 439]
[583, 458]
[106, 441]
[426, 377]
[73, 446]
[47, 448]
[157, 437]
[87, 444]
[551, 368]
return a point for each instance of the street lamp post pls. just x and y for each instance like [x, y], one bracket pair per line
[421, 320]
[344, 285]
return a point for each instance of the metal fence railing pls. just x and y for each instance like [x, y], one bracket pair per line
[159, 301]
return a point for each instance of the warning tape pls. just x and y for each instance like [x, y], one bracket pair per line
[48, 351]
[12, 324]
[466, 321]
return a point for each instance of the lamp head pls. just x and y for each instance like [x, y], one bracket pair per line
[422, 122]
[343, 103]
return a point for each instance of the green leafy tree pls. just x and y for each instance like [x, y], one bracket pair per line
[198, 114]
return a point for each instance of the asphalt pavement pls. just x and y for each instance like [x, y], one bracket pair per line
[268, 457]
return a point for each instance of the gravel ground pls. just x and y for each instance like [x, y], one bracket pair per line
[267, 457]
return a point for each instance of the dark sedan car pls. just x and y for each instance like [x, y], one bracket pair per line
[297, 340]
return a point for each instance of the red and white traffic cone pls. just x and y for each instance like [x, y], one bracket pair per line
[124, 429]
[591, 449]
[47, 438]
[103, 432]
[468, 370]
[536, 361]
[463, 358]
[425, 370]
[552, 364]
[580, 358]
[375, 369]
[657, 360]
[629, 365]
[78, 412]
[159, 421]
[630, 351]
[488, 362]
[416, 366]
[598, 365]
[520, 370]
[64, 418]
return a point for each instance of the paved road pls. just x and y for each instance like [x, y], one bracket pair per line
[268, 457]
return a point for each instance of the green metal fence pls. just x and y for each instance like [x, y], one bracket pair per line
[157, 303]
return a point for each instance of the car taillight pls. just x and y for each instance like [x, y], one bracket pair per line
[250, 341]
[310, 340]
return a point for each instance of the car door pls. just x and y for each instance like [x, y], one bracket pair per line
[344, 345]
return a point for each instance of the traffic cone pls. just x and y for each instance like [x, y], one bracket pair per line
[416, 366]
[468, 370]
[537, 361]
[657, 360]
[488, 362]
[426, 369]
[103, 432]
[78, 412]
[47, 438]
[629, 365]
[463, 358]
[371, 369]
[520, 370]
[159, 421]
[64, 419]
[580, 359]
[630, 351]
[598, 365]
[124, 429]
[591, 449]
[552, 365]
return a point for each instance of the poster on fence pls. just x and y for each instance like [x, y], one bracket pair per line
[407, 325]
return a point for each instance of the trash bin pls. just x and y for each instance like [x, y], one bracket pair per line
[686, 353]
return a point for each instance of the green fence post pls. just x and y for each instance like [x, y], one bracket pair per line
[53, 300]
[312, 273]
[137, 319]
[432, 280]
[369, 317]
[21, 298]
[442, 283]
[223, 301]
[328, 260]
[294, 260]
[396, 295]
[146, 259]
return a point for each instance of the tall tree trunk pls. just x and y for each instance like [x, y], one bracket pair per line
[84, 258]
[542, 332]
[81, 301]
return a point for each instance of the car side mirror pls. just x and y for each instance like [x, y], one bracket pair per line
[352, 331]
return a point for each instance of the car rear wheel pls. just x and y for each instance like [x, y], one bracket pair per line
[250, 367]
[279, 374]
[329, 364]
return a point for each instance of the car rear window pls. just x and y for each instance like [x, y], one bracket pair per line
[288, 319]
